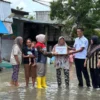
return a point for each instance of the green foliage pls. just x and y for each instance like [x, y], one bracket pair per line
[57, 10]
[79, 13]
[30, 17]
[18, 8]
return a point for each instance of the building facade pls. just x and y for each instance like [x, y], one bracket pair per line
[5, 12]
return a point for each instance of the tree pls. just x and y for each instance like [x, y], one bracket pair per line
[18, 8]
[82, 13]
[30, 17]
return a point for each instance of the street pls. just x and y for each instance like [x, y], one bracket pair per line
[8, 92]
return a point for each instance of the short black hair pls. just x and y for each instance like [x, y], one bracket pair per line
[82, 29]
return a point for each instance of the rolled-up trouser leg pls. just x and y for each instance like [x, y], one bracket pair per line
[41, 69]
[15, 73]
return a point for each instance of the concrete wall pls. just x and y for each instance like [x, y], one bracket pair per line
[44, 16]
[6, 48]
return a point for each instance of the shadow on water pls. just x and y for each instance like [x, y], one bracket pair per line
[8, 92]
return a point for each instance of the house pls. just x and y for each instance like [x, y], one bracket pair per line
[42, 24]
[44, 16]
[54, 28]
[30, 28]
[5, 12]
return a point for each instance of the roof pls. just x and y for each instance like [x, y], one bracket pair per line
[3, 29]
[38, 22]
[42, 11]
[19, 12]
[5, 1]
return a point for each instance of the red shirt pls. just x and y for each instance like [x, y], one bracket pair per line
[39, 44]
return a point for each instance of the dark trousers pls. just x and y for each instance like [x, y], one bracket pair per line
[79, 63]
[66, 74]
[95, 77]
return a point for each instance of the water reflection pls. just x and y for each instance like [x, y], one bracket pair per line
[15, 95]
[8, 92]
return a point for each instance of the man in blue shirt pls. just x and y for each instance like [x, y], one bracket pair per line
[81, 46]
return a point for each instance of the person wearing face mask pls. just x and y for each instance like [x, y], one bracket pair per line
[93, 61]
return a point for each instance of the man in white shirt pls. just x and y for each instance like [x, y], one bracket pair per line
[81, 46]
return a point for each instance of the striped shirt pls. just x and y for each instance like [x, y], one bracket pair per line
[92, 62]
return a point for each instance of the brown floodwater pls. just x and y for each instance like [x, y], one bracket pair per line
[8, 92]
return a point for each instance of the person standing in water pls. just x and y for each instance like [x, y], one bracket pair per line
[93, 61]
[81, 46]
[62, 62]
[41, 61]
[15, 59]
[29, 55]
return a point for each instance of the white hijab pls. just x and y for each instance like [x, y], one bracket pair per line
[40, 38]
[61, 37]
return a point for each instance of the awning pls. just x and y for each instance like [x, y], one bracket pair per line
[8, 27]
[3, 29]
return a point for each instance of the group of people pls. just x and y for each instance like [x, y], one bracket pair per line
[35, 57]
[34, 60]
[87, 56]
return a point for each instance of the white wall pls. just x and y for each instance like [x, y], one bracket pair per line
[6, 48]
[5, 11]
[44, 16]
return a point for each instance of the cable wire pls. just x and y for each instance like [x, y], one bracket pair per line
[41, 3]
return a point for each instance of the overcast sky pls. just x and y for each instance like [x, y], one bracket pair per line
[29, 5]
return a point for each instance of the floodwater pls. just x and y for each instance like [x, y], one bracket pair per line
[8, 92]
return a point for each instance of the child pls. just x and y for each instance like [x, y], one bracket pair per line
[33, 52]
[28, 61]
[29, 53]
[71, 58]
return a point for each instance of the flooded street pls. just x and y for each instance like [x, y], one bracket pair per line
[8, 92]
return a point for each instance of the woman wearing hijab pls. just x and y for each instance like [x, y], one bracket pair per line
[41, 61]
[16, 58]
[93, 61]
[62, 62]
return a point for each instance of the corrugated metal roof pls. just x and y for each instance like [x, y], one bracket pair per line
[36, 21]
[19, 12]
[5, 11]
